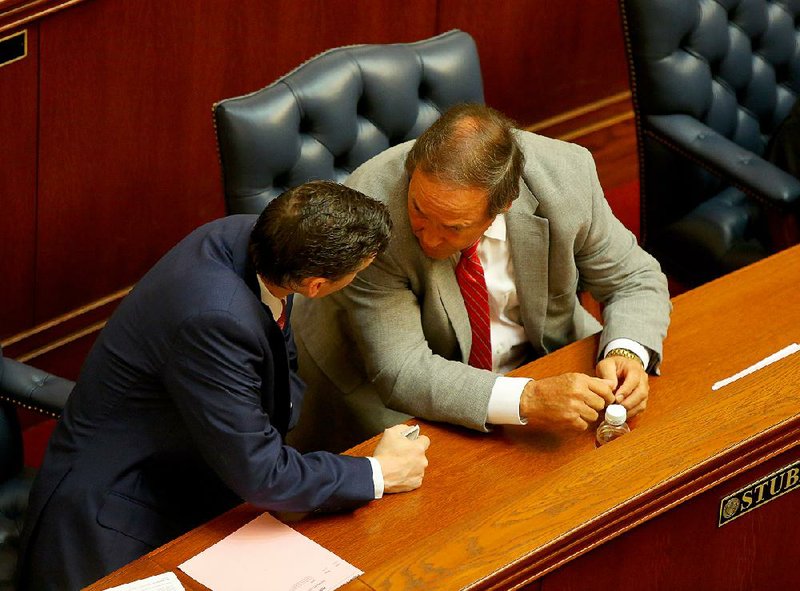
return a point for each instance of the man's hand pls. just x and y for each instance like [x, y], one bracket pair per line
[570, 401]
[629, 381]
[403, 461]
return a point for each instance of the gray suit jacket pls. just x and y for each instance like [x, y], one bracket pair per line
[399, 337]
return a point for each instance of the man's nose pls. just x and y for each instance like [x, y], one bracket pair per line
[430, 237]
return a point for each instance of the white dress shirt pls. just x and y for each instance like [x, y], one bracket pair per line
[509, 342]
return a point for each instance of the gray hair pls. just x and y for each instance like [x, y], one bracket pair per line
[472, 145]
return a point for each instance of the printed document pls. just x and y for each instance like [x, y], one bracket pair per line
[267, 554]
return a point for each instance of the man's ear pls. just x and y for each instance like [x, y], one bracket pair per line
[311, 286]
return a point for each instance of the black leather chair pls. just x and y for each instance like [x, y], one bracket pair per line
[20, 386]
[336, 111]
[711, 81]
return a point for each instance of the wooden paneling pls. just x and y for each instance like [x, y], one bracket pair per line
[504, 509]
[127, 156]
[540, 57]
[757, 550]
[18, 97]
[123, 136]
[15, 13]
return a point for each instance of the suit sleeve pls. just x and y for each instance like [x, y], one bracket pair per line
[215, 377]
[621, 275]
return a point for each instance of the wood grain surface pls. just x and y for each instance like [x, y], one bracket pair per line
[501, 510]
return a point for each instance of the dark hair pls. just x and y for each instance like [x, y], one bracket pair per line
[472, 145]
[318, 229]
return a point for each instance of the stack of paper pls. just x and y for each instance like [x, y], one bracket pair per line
[266, 554]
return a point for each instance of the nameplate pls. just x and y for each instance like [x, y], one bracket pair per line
[761, 491]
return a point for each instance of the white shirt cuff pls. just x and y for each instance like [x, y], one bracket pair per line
[630, 345]
[377, 477]
[504, 401]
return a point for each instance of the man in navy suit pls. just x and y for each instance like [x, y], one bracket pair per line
[182, 406]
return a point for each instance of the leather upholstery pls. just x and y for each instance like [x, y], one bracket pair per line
[336, 111]
[31, 388]
[711, 81]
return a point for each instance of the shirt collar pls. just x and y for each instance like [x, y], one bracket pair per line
[274, 304]
[497, 231]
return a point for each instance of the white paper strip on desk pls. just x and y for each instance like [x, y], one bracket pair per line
[165, 582]
[267, 554]
[785, 352]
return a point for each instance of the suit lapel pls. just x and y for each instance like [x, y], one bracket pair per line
[444, 277]
[275, 381]
[275, 395]
[439, 274]
[529, 237]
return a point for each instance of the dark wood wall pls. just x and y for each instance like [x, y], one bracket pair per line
[107, 143]
[542, 58]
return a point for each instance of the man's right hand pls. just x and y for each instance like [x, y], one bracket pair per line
[403, 461]
[570, 401]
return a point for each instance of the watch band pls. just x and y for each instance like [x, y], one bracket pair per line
[620, 352]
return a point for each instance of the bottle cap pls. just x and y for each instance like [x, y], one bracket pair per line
[616, 414]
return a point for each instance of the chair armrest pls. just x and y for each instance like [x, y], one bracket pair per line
[33, 388]
[725, 158]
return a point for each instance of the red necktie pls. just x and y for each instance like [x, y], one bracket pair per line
[469, 274]
[282, 318]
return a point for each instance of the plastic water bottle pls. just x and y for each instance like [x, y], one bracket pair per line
[613, 425]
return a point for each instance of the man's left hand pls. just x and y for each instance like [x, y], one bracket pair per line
[631, 387]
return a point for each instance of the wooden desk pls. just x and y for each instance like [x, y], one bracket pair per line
[517, 509]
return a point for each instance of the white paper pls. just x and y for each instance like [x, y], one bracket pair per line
[165, 582]
[267, 554]
[785, 352]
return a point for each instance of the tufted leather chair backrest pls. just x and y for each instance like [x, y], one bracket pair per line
[709, 71]
[733, 64]
[336, 111]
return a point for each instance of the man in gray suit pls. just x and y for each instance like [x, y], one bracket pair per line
[397, 342]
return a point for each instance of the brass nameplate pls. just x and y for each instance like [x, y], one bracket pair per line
[759, 492]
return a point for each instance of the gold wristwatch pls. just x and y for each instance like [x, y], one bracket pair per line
[619, 352]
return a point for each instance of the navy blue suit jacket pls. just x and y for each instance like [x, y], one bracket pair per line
[178, 415]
